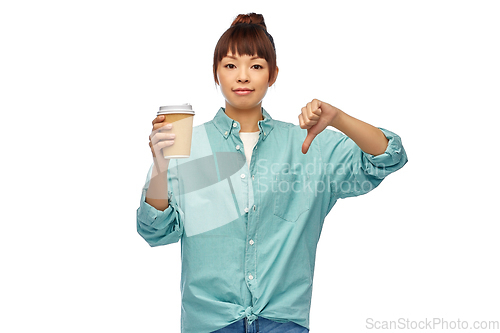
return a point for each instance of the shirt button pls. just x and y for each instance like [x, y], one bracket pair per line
[237, 147]
[246, 210]
[251, 242]
[250, 277]
[254, 207]
[253, 177]
[235, 125]
[225, 133]
[242, 175]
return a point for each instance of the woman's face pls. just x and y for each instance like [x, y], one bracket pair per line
[244, 80]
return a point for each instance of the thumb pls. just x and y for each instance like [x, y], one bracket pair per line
[307, 142]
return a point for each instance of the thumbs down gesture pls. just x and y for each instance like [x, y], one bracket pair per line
[315, 117]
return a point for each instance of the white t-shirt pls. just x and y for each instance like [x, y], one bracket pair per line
[249, 141]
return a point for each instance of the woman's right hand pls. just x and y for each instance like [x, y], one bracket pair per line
[159, 138]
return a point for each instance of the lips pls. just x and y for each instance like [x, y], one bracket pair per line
[242, 91]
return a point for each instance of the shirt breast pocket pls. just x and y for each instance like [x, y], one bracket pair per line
[292, 199]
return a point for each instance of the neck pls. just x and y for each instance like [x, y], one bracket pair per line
[248, 118]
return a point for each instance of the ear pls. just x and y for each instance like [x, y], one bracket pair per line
[275, 77]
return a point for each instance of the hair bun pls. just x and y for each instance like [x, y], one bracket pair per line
[250, 18]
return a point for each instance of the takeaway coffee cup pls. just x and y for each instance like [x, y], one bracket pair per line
[181, 117]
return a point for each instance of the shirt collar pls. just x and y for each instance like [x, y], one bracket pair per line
[226, 125]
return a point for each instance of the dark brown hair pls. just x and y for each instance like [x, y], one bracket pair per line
[247, 36]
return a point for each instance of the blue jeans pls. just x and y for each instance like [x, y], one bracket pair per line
[262, 325]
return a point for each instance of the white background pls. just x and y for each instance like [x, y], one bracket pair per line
[81, 82]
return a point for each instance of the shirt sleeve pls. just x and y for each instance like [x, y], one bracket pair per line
[351, 172]
[159, 227]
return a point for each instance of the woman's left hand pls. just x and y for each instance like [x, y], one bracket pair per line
[315, 117]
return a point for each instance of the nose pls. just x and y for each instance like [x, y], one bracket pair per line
[243, 76]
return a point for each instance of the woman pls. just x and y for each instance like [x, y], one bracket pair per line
[249, 203]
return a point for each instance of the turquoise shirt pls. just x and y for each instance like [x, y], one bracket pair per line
[249, 235]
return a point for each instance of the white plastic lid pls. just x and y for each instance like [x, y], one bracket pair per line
[183, 108]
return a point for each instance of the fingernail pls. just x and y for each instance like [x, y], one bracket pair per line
[169, 126]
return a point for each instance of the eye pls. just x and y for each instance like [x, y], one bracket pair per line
[230, 66]
[257, 66]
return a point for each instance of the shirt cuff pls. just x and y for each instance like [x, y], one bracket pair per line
[151, 216]
[393, 153]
